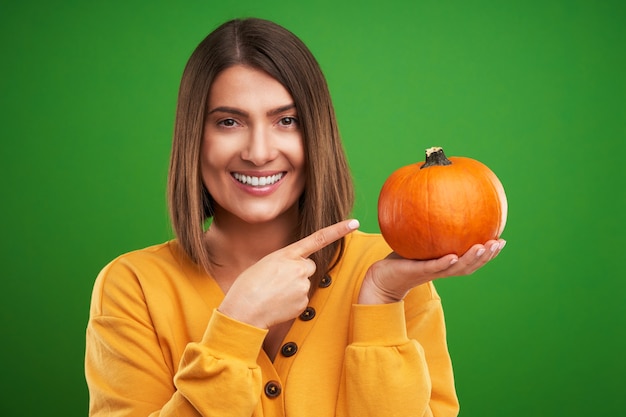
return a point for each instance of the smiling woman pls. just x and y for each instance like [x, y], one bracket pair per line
[285, 65]
[281, 292]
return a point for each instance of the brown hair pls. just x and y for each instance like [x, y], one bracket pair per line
[328, 195]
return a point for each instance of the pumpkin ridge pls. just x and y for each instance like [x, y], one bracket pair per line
[460, 214]
[428, 186]
[479, 189]
[496, 196]
[487, 181]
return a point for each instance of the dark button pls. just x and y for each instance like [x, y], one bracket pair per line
[272, 389]
[289, 349]
[326, 281]
[307, 314]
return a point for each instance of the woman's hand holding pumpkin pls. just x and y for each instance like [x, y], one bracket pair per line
[390, 279]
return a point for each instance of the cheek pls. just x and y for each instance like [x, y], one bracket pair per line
[297, 155]
[299, 162]
[213, 156]
[212, 162]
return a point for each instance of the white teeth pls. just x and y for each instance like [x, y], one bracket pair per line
[257, 181]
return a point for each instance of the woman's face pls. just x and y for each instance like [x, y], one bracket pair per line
[253, 161]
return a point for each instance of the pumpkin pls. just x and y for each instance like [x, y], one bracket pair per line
[443, 206]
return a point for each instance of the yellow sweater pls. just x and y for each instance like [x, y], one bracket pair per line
[157, 346]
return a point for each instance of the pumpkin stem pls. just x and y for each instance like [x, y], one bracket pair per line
[435, 157]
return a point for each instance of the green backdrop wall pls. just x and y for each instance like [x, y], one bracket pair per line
[534, 89]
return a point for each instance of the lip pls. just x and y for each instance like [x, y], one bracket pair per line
[258, 183]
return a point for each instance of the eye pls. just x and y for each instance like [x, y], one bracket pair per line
[288, 121]
[227, 123]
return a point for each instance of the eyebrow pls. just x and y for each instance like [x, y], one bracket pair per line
[234, 110]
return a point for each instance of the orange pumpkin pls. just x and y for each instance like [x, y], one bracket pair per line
[428, 210]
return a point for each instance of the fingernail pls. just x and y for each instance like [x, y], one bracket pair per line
[453, 261]
[502, 244]
[353, 224]
[494, 247]
[480, 252]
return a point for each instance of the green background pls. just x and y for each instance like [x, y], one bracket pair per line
[534, 89]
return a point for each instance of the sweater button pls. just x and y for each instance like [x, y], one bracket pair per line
[325, 281]
[289, 349]
[272, 389]
[307, 314]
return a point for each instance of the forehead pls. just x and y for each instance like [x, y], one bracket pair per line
[242, 87]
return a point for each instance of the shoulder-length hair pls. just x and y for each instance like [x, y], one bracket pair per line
[260, 44]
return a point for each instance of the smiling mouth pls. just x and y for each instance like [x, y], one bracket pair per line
[258, 181]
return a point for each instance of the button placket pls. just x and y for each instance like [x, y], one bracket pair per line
[297, 334]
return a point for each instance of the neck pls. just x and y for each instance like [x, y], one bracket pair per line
[235, 244]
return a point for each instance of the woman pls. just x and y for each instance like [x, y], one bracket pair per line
[268, 302]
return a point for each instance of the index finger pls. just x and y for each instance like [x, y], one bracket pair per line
[322, 238]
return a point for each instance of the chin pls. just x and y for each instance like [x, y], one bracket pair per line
[268, 215]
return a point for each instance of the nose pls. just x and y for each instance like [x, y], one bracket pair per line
[260, 148]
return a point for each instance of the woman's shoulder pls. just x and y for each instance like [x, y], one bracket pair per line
[168, 253]
[136, 269]
[147, 257]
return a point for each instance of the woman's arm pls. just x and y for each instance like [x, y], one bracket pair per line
[129, 374]
[398, 362]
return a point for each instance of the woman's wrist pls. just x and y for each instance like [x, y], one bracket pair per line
[372, 294]
[239, 313]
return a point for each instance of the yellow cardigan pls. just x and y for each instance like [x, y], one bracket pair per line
[157, 346]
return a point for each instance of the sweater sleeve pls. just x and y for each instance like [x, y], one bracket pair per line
[398, 363]
[222, 367]
[128, 375]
